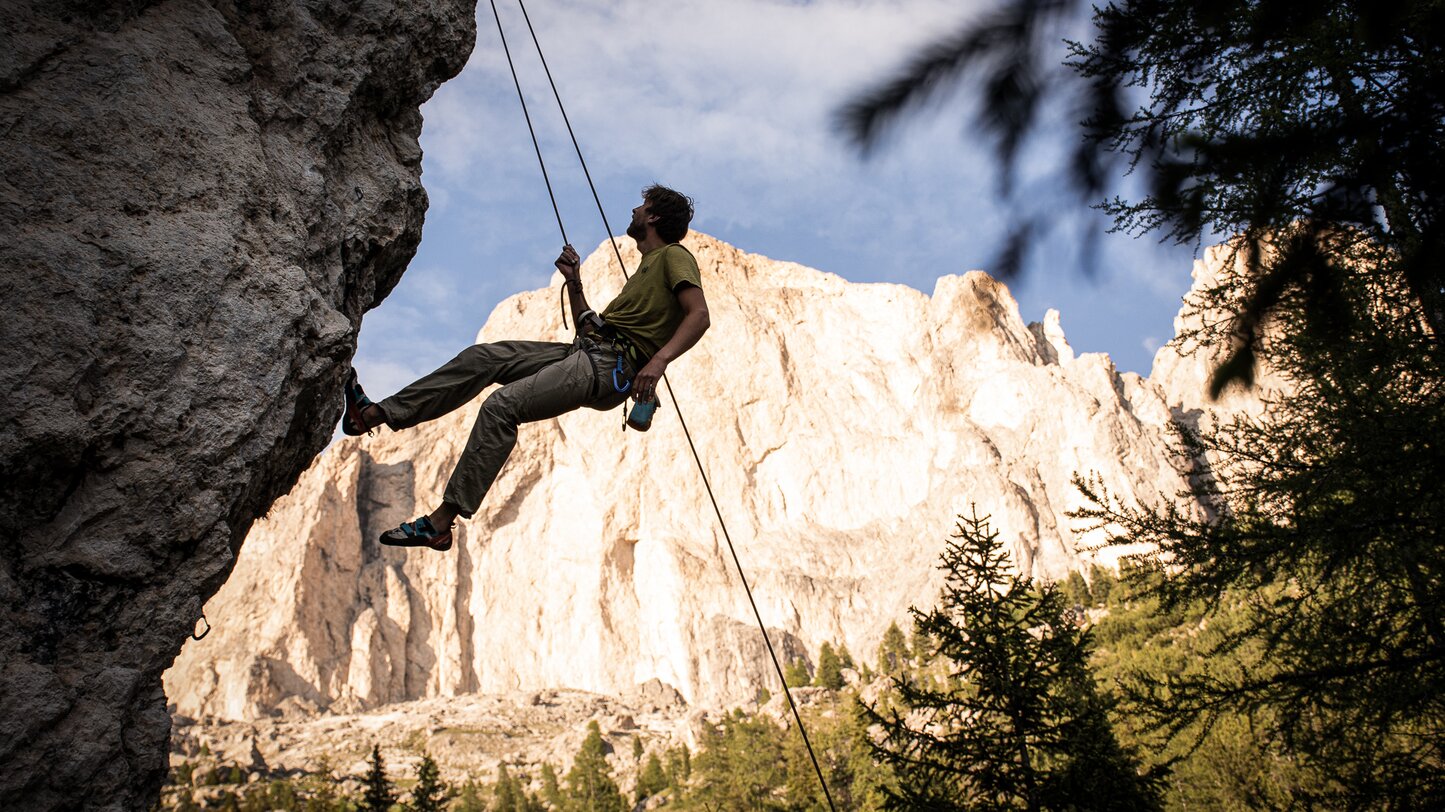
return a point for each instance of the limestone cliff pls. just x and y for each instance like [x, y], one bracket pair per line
[842, 425]
[200, 199]
[1182, 369]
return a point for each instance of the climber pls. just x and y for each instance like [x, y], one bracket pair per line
[659, 315]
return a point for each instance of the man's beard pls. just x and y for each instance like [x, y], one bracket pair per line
[637, 231]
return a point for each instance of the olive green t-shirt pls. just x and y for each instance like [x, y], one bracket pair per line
[647, 310]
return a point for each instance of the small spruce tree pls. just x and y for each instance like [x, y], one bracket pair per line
[893, 652]
[589, 782]
[379, 794]
[830, 668]
[652, 779]
[1102, 583]
[551, 791]
[1020, 724]
[429, 794]
[795, 674]
[679, 765]
[184, 800]
[740, 766]
[469, 798]
[920, 645]
[1076, 590]
[505, 795]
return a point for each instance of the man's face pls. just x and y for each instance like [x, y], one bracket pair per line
[637, 229]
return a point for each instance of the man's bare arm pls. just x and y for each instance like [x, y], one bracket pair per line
[695, 321]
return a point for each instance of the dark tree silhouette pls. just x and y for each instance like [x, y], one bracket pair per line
[1326, 534]
[1284, 122]
[379, 794]
[1018, 724]
[429, 794]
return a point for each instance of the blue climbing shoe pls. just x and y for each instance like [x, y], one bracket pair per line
[419, 533]
[353, 423]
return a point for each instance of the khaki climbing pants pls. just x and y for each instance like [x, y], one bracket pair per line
[540, 380]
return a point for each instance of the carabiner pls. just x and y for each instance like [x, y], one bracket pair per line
[618, 369]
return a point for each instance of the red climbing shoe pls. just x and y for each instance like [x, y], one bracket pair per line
[419, 533]
[353, 422]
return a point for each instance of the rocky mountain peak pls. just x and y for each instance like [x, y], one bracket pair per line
[842, 425]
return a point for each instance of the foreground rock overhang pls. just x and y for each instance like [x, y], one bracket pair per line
[200, 200]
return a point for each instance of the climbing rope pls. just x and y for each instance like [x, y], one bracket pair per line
[568, 121]
[717, 511]
[523, 99]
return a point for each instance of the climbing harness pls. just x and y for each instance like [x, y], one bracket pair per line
[667, 384]
[591, 327]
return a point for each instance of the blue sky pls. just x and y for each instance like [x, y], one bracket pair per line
[731, 103]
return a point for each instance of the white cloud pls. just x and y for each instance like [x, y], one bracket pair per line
[732, 103]
[740, 91]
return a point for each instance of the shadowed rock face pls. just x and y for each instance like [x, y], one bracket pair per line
[199, 201]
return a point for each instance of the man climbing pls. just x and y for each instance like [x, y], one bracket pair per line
[659, 315]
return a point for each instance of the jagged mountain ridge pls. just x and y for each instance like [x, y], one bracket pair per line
[842, 425]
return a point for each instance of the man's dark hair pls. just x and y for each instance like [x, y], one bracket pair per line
[672, 209]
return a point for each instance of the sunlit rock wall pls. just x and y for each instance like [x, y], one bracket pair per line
[843, 427]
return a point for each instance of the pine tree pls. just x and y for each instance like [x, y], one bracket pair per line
[920, 644]
[637, 748]
[589, 782]
[679, 765]
[855, 779]
[322, 787]
[1326, 524]
[379, 794]
[1102, 584]
[1076, 590]
[551, 792]
[505, 795]
[651, 780]
[469, 799]
[740, 766]
[1023, 725]
[1312, 132]
[429, 794]
[795, 674]
[185, 801]
[893, 652]
[830, 668]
